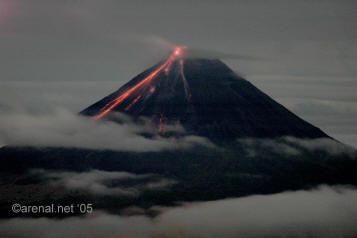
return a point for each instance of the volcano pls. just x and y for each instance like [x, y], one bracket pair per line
[206, 97]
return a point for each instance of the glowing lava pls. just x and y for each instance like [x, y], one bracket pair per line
[132, 103]
[177, 53]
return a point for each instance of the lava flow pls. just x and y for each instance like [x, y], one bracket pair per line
[177, 53]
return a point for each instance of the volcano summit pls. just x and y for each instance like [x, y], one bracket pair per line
[206, 97]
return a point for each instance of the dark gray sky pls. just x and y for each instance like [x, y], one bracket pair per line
[70, 53]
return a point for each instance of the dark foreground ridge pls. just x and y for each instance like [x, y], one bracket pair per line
[30, 175]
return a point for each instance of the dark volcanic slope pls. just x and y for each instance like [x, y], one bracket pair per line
[209, 100]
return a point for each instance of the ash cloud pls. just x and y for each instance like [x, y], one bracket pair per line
[215, 54]
[322, 212]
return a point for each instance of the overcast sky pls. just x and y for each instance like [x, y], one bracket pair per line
[70, 53]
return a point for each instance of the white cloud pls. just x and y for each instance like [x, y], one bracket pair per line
[96, 182]
[324, 212]
[295, 146]
[65, 129]
[321, 144]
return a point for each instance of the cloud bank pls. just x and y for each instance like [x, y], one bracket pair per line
[65, 129]
[100, 182]
[324, 212]
[293, 146]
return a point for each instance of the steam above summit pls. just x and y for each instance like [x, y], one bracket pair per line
[206, 97]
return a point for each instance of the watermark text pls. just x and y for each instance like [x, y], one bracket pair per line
[52, 209]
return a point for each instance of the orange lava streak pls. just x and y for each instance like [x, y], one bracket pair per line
[108, 107]
[132, 103]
